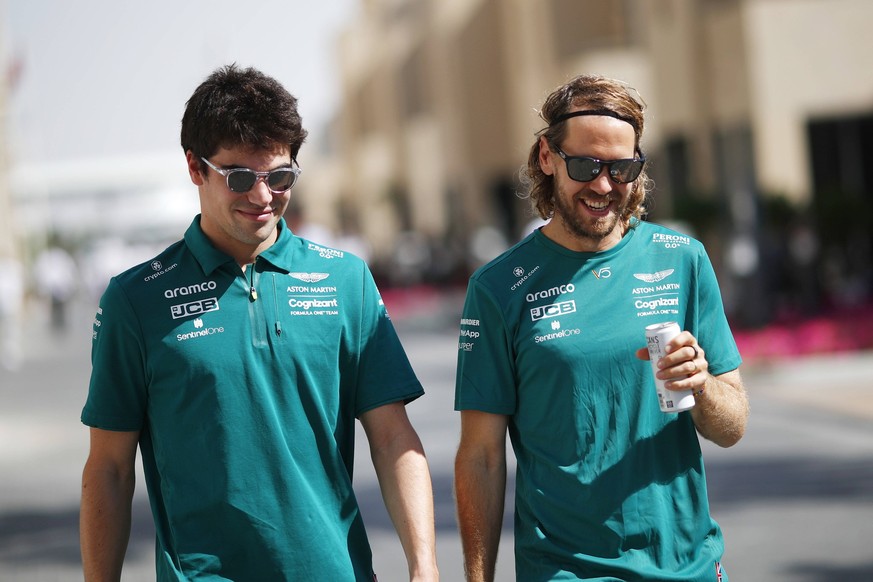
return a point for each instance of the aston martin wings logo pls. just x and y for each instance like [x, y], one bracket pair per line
[310, 277]
[654, 277]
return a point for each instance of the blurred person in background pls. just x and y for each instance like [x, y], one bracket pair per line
[56, 277]
[11, 306]
[552, 351]
[237, 360]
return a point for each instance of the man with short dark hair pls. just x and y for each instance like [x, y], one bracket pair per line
[237, 360]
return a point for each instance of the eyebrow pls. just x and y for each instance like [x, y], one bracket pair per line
[239, 167]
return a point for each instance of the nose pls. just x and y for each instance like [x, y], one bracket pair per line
[260, 194]
[601, 184]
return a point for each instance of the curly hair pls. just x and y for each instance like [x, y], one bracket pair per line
[583, 92]
[241, 107]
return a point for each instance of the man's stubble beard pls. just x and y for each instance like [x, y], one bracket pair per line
[596, 231]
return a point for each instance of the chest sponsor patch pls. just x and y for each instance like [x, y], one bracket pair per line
[193, 308]
[553, 310]
[309, 277]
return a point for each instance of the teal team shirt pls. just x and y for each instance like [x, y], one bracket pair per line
[245, 387]
[608, 487]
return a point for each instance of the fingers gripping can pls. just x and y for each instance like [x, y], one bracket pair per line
[657, 337]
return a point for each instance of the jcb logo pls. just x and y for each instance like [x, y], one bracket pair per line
[553, 310]
[194, 308]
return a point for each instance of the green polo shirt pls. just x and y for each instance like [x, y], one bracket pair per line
[608, 487]
[245, 387]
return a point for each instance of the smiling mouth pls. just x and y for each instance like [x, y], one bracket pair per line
[256, 211]
[597, 205]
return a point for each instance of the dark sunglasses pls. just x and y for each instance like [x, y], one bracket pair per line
[585, 169]
[241, 180]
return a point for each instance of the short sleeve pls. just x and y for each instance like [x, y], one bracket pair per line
[713, 331]
[384, 373]
[485, 378]
[117, 392]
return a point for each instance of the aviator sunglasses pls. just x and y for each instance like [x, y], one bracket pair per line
[241, 180]
[585, 169]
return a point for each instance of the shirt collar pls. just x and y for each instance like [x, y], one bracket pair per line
[210, 258]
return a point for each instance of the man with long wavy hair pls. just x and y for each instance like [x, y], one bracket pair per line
[552, 352]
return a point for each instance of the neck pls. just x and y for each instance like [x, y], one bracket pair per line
[561, 233]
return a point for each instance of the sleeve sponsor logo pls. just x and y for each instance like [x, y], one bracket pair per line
[194, 308]
[326, 253]
[159, 270]
[468, 336]
[97, 323]
[522, 276]
[670, 241]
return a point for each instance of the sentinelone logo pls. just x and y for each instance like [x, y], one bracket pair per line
[199, 332]
[557, 334]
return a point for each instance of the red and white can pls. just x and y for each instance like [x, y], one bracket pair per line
[657, 337]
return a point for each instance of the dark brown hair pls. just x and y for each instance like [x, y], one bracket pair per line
[241, 107]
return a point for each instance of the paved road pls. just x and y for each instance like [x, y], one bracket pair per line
[795, 497]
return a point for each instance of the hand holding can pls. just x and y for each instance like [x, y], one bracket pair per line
[657, 337]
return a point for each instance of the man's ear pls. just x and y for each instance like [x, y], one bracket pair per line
[194, 170]
[546, 158]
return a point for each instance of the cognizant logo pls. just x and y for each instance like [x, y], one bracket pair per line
[656, 303]
[310, 303]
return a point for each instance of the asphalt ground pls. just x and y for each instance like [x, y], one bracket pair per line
[794, 497]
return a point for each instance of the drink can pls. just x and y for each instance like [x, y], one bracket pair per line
[657, 336]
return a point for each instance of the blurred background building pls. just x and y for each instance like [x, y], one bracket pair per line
[759, 131]
[759, 135]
